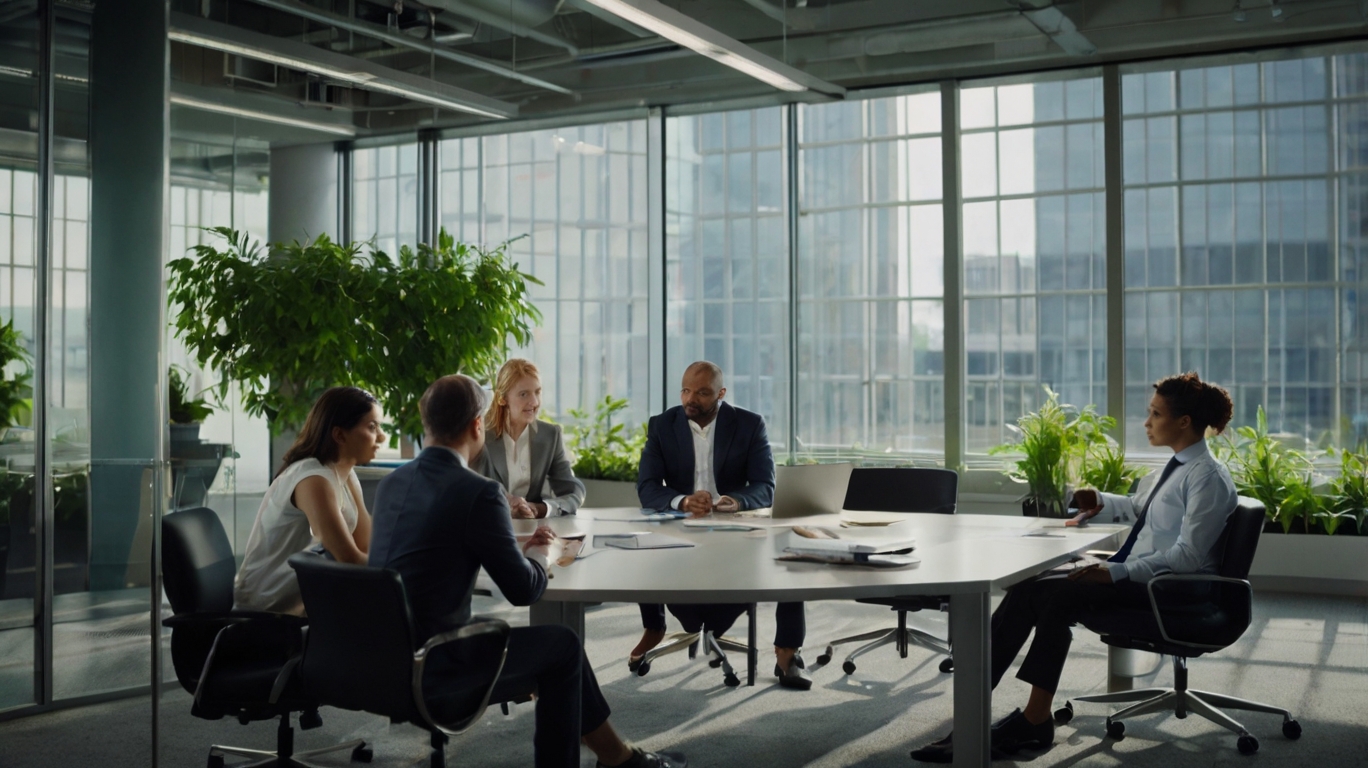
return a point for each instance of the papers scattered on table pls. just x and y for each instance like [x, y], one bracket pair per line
[639, 541]
[857, 518]
[874, 561]
[720, 525]
[649, 515]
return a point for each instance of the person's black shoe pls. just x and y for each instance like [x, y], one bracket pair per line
[939, 751]
[795, 676]
[643, 759]
[1016, 733]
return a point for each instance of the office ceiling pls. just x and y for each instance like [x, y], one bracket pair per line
[339, 68]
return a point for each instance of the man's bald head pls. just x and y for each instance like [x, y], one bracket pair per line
[701, 391]
[705, 368]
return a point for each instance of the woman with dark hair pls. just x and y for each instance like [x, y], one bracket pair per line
[314, 499]
[1178, 516]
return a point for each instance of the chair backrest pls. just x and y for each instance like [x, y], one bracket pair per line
[197, 562]
[1241, 538]
[359, 650]
[903, 489]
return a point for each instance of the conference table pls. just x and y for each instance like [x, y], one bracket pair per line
[963, 556]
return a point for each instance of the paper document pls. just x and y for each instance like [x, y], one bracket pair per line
[639, 541]
[811, 539]
[720, 525]
[837, 558]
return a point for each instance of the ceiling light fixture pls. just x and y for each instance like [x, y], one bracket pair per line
[265, 117]
[307, 58]
[702, 39]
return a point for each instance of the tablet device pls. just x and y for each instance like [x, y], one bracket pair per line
[810, 489]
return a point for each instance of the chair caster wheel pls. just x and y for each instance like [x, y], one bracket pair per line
[849, 667]
[362, 754]
[1116, 729]
[714, 662]
[731, 681]
[1064, 714]
[643, 668]
[1292, 729]
[310, 720]
[947, 665]
[216, 761]
[824, 659]
[1247, 745]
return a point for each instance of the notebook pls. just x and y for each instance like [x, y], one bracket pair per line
[810, 489]
[639, 541]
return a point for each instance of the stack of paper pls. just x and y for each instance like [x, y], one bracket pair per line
[640, 540]
[853, 549]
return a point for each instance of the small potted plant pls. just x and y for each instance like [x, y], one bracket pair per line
[606, 454]
[187, 413]
[1265, 469]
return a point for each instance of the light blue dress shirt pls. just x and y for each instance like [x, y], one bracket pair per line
[1184, 523]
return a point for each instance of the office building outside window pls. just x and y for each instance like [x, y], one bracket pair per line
[385, 196]
[1245, 234]
[726, 262]
[1034, 250]
[571, 202]
[870, 277]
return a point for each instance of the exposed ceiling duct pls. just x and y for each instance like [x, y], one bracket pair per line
[527, 13]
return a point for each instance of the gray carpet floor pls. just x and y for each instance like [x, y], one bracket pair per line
[1307, 653]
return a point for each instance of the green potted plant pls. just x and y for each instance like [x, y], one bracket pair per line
[322, 314]
[1348, 501]
[606, 454]
[16, 407]
[187, 413]
[1060, 446]
[1265, 469]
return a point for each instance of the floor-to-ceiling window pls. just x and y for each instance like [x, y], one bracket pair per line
[385, 196]
[571, 204]
[870, 253]
[726, 257]
[1032, 176]
[1244, 237]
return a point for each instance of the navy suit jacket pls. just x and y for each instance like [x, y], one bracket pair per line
[436, 523]
[743, 465]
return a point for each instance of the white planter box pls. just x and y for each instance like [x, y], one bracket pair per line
[610, 493]
[1311, 563]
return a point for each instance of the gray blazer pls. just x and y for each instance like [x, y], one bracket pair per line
[549, 462]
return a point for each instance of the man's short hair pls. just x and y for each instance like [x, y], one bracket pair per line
[450, 405]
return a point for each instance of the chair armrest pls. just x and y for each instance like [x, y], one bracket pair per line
[477, 628]
[1208, 602]
[269, 636]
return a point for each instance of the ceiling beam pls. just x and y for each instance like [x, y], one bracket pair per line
[345, 69]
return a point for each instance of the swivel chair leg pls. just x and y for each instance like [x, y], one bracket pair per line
[284, 755]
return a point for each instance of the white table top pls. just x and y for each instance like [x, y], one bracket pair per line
[959, 554]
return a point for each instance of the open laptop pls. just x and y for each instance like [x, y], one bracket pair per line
[810, 489]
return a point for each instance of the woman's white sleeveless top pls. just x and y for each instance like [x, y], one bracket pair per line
[265, 582]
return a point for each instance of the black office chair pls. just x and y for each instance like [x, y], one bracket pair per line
[1190, 615]
[361, 652]
[713, 645]
[900, 489]
[235, 663]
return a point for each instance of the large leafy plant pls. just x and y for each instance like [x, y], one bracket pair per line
[1348, 500]
[1266, 469]
[16, 376]
[184, 409]
[1061, 445]
[289, 324]
[604, 450]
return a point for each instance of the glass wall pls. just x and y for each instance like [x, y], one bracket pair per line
[1244, 238]
[385, 196]
[870, 277]
[1034, 211]
[571, 203]
[726, 258]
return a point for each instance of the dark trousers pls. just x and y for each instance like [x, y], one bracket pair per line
[789, 618]
[1051, 607]
[546, 660]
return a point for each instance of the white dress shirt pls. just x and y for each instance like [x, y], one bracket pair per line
[1184, 522]
[703, 461]
[518, 454]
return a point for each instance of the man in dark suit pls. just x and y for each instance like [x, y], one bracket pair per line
[437, 523]
[706, 456]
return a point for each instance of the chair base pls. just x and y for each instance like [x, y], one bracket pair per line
[1182, 701]
[284, 755]
[902, 635]
[679, 641]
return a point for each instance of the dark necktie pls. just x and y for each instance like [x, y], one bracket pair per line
[1125, 550]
